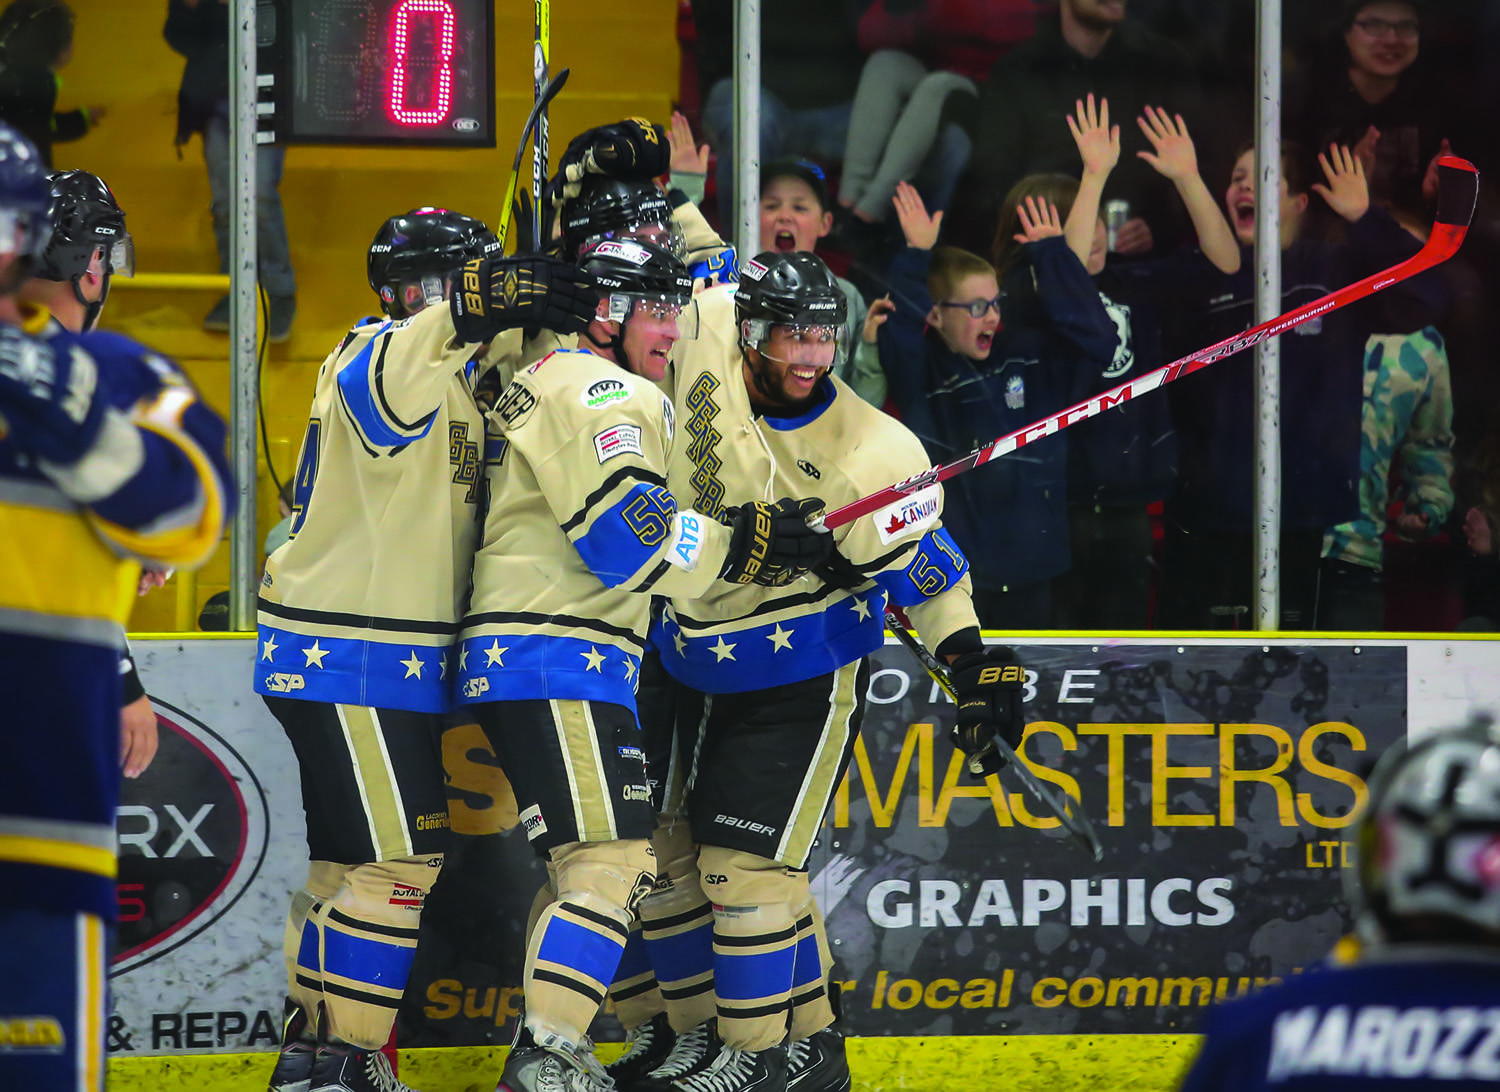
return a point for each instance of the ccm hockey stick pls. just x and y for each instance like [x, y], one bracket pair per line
[554, 85]
[541, 62]
[1069, 812]
[1458, 187]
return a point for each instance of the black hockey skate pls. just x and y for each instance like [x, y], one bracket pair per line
[533, 1068]
[691, 1052]
[739, 1071]
[299, 1048]
[344, 1067]
[818, 1063]
[647, 1047]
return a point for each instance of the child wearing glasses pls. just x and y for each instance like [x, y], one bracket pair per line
[962, 375]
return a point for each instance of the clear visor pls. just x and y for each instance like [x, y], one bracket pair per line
[816, 346]
[655, 232]
[122, 256]
[421, 294]
[655, 308]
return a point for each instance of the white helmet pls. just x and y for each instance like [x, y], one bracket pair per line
[1428, 857]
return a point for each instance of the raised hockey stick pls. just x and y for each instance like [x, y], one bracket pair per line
[541, 61]
[1069, 812]
[1458, 188]
[554, 85]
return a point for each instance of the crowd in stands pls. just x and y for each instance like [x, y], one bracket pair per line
[1034, 201]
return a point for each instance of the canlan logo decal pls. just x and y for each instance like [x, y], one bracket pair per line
[193, 834]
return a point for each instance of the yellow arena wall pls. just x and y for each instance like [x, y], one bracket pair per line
[334, 197]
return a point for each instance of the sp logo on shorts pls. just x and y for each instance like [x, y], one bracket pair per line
[282, 682]
[1008, 673]
[473, 688]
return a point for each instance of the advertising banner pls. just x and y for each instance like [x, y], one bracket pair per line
[1221, 779]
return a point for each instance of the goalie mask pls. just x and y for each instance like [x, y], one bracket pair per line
[792, 312]
[1428, 846]
[635, 280]
[413, 256]
[88, 236]
[613, 208]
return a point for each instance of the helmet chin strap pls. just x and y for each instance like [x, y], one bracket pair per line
[615, 344]
[91, 308]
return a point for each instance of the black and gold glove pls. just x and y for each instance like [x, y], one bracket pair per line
[990, 686]
[495, 294]
[772, 544]
[632, 149]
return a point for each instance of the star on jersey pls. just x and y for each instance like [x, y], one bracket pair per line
[463, 659]
[494, 652]
[595, 659]
[268, 648]
[629, 669]
[722, 651]
[861, 608]
[443, 666]
[680, 642]
[413, 666]
[315, 654]
[780, 639]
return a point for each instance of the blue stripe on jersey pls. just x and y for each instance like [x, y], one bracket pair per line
[361, 959]
[514, 667]
[937, 565]
[623, 539]
[683, 955]
[355, 381]
[849, 627]
[352, 671]
[752, 977]
[584, 950]
[307, 949]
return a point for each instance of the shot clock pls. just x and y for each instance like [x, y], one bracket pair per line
[419, 72]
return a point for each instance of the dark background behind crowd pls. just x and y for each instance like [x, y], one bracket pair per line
[1391, 459]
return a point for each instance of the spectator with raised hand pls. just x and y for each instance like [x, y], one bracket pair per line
[36, 39]
[1207, 550]
[962, 373]
[1126, 458]
[1089, 47]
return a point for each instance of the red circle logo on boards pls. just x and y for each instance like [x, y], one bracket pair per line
[193, 833]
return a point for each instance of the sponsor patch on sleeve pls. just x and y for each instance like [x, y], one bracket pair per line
[606, 392]
[907, 515]
[687, 540]
[618, 440]
[669, 415]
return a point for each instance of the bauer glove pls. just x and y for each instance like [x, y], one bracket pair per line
[495, 294]
[51, 405]
[989, 686]
[772, 544]
[633, 148]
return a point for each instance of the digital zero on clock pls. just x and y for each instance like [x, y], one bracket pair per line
[381, 71]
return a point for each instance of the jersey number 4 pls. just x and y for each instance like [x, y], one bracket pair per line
[307, 473]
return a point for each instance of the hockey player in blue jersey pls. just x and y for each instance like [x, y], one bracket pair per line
[107, 459]
[1419, 1006]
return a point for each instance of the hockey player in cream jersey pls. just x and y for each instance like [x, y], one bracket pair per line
[581, 528]
[767, 683]
[359, 610]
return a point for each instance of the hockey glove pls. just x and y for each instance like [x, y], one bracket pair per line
[989, 685]
[51, 405]
[772, 544]
[633, 148]
[839, 571]
[495, 294]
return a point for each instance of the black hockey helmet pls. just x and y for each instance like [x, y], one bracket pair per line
[414, 253]
[616, 208]
[792, 289]
[634, 276]
[85, 217]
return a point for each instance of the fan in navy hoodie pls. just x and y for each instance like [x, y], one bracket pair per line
[961, 379]
[1207, 551]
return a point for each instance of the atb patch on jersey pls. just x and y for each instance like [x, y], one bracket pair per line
[618, 440]
[687, 540]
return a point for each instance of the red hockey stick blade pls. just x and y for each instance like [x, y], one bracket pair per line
[1458, 190]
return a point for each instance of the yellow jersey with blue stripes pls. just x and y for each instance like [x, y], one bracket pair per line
[582, 530]
[735, 638]
[153, 486]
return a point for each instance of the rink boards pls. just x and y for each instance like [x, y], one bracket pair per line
[972, 939]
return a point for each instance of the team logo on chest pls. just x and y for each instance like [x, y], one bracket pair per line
[463, 456]
[703, 447]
